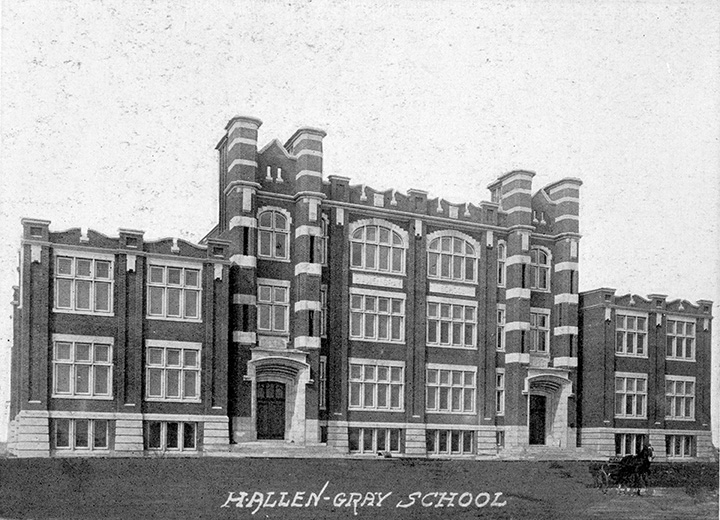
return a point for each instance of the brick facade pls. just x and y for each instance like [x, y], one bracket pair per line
[321, 313]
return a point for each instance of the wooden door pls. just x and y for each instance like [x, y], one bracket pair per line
[270, 410]
[537, 419]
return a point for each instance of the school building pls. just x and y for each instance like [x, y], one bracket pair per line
[332, 319]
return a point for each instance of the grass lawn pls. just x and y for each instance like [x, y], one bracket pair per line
[198, 488]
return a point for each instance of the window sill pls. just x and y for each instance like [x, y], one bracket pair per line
[620, 354]
[84, 313]
[680, 419]
[643, 418]
[87, 397]
[452, 347]
[386, 342]
[161, 400]
[386, 410]
[451, 280]
[170, 318]
[449, 413]
[273, 259]
[684, 360]
[376, 271]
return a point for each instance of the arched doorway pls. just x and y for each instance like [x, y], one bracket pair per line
[548, 391]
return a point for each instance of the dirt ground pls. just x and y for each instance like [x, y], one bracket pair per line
[331, 488]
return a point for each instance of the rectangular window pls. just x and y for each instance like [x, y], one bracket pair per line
[500, 439]
[501, 257]
[683, 446]
[680, 398]
[539, 330]
[172, 371]
[82, 367]
[84, 285]
[631, 335]
[500, 339]
[500, 391]
[451, 323]
[173, 292]
[629, 443]
[376, 384]
[322, 383]
[630, 395]
[170, 436]
[323, 310]
[377, 316]
[450, 389]
[79, 434]
[450, 442]
[374, 440]
[273, 307]
[681, 339]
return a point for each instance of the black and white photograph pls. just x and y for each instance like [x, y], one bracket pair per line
[331, 259]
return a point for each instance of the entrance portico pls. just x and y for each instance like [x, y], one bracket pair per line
[548, 391]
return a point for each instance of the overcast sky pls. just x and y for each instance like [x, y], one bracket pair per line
[111, 112]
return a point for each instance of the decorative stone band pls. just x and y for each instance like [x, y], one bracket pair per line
[457, 290]
[242, 162]
[566, 298]
[566, 266]
[307, 305]
[244, 337]
[311, 173]
[242, 140]
[567, 217]
[252, 125]
[565, 361]
[244, 299]
[244, 260]
[517, 259]
[376, 280]
[238, 221]
[308, 268]
[314, 153]
[524, 191]
[306, 342]
[516, 357]
[523, 209]
[566, 329]
[517, 292]
[567, 199]
[308, 230]
[517, 325]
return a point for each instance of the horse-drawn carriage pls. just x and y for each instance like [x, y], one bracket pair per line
[631, 471]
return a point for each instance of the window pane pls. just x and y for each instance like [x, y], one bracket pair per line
[442, 442]
[191, 277]
[173, 303]
[264, 317]
[191, 304]
[102, 296]
[82, 351]
[64, 294]
[157, 274]
[82, 379]
[280, 245]
[154, 382]
[190, 358]
[368, 395]
[155, 356]
[102, 269]
[173, 357]
[280, 221]
[100, 433]
[171, 437]
[266, 219]
[356, 255]
[384, 264]
[156, 300]
[102, 353]
[367, 440]
[395, 396]
[264, 239]
[154, 435]
[62, 433]
[279, 312]
[174, 275]
[102, 378]
[64, 266]
[190, 384]
[172, 383]
[369, 326]
[82, 294]
[83, 267]
[81, 433]
[62, 350]
[355, 324]
[189, 435]
[397, 260]
[370, 256]
[354, 394]
[62, 379]
[280, 295]
[354, 439]
[469, 268]
[382, 397]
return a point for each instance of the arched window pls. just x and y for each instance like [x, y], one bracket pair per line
[452, 258]
[501, 256]
[539, 269]
[377, 248]
[273, 235]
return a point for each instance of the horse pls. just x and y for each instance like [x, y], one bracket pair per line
[635, 468]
